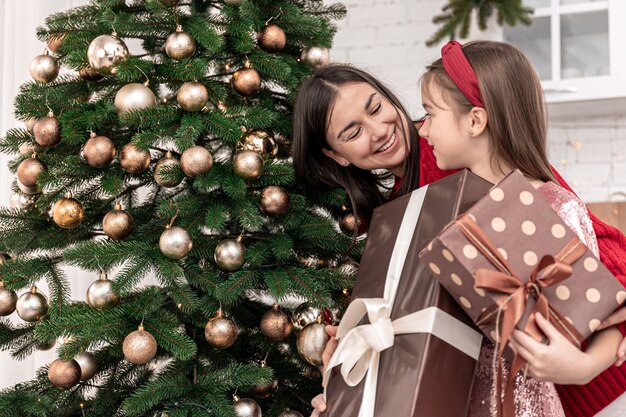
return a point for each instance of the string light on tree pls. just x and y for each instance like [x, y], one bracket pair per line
[106, 52]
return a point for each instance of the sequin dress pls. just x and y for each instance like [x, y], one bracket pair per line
[533, 398]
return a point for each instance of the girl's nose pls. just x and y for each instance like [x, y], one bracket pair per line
[423, 130]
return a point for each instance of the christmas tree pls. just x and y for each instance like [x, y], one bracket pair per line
[161, 152]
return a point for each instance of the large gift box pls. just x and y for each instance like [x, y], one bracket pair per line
[511, 255]
[406, 349]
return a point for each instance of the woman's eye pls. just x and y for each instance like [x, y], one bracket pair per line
[355, 134]
[377, 109]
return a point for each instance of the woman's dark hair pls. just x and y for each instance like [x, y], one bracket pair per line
[312, 109]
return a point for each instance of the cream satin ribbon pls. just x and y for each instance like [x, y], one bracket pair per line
[359, 347]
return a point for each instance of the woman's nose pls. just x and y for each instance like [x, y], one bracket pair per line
[379, 131]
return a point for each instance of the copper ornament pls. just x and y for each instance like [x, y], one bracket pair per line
[64, 374]
[196, 160]
[276, 324]
[99, 151]
[139, 347]
[133, 159]
[220, 332]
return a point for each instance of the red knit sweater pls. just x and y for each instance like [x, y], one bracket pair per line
[578, 400]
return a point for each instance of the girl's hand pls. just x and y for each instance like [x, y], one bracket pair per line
[621, 353]
[318, 402]
[319, 405]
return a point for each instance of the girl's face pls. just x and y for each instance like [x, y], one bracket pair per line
[366, 130]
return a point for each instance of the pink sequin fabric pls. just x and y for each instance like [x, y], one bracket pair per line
[533, 398]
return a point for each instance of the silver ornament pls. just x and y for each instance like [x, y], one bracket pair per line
[192, 96]
[88, 365]
[248, 165]
[23, 201]
[163, 174]
[44, 68]
[105, 52]
[32, 305]
[316, 56]
[230, 255]
[8, 300]
[195, 161]
[311, 342]
[246, 407]
[175, 242]
[28, 190]
[101, 295]
[134, 96]
[180, 45]
[306, 313]
[290, 413]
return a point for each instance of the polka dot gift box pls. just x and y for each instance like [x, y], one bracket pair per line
[510, 250]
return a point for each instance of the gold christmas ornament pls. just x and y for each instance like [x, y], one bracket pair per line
[272, 38]
[99, 151]
[248, 165]
[290, 413]
[175, 242]
[133, 159]
[196, 160]
[117, 223]
[349, 224]
[306, 314]
[259, 141]
[274, 200]
[246, 81]
[220, 332]
[101, 295]
[55, 42]
[88, 365]
[23, 201]
[8, 300]
[311, 342]
[139, 347]
[64, 374]
[67, 212]
[47, 131]
[164, 171]
[276, 324]
[316, 56]
[44, 68]
[105, 52]
[28, 171]
[180, 45]
[230, 254]
[89, 74]
[28, 190]
[134, 96]
[30, 124]
[246, 407]
[32, 305]
[192, 96]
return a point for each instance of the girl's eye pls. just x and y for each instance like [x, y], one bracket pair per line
[377, 109]
[355, 134]
[424, 118]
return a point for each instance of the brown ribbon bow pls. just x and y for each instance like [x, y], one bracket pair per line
[510, 307]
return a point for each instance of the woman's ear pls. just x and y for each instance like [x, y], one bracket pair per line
[478, 121]
[335, 157]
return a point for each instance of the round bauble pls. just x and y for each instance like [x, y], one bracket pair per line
[180, 45]
[220, 332]
[32, 191]
[192, 96]
[67, 212]
[276, 324]
[316, 56]
[245, 407]
[23, 201]
[32, 305]
[311, 342]
[55, 42]
[8, 300]
[175, 242]
[99, 151]
[259, 141]
[28, 171]
[44, 68]
[117, 223]
[139, 347]
[290, 413]
[101, 295]
[350, 224]
[64, 374]
[264, 390]
[196, 160]
[230, 254]
[348, 268]
[164, 171]
[248, 165]
[30, 123]
[274, 200]
[133, 159]
[272, 38]
[88, 365]
[306, 314]
[47, 131]
[134, 96]
[246, 81]
[105, 52]
[89, 74]
[28, 148]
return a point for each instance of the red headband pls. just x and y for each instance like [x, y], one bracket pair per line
[459, 69]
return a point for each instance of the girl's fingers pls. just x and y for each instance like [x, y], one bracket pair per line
[318, 404]
[548, 328]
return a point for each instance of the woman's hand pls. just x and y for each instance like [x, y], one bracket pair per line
[318, 402]
[617, 317]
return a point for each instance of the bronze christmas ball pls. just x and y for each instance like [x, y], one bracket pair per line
[47, 131]
[30, 191]
[133, 159]
[180, 45]
[89, 74]
[306, 313]
[28, 171]
[316, 56]
[272, 38]
[264, 390]
[139, 347]
[230, 255]
[175, 242]
[245, 407]
[64, 374]
[196, 160]
[30, 124]
[220, 332]
[88, 365]
[32, 305]
[349, 224]
[8, 300]
[246, 81]
[44, 68]
[117, 223]
[105, 52]
[248, 165]
[67, 212]
[163, 171]
[99, 151]
[192, 96]
[276, 324]
[55, 42]
[259, 141]
[311, 342]
[134, 96]
[274, 200]
[101, 295]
